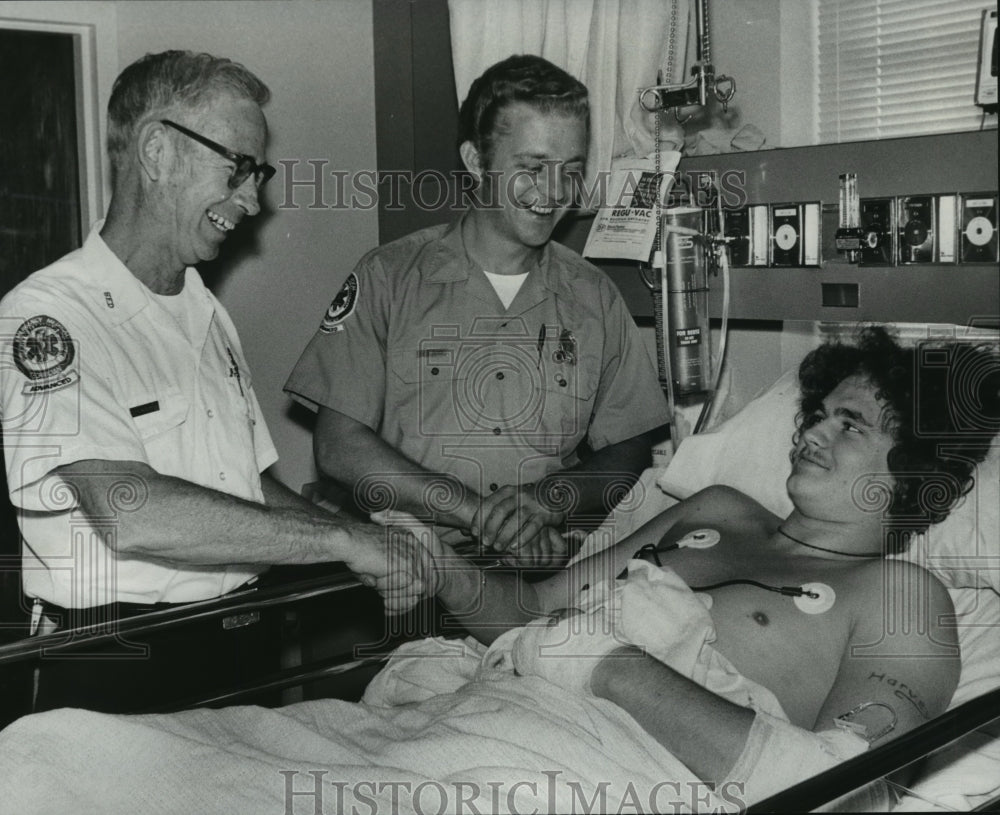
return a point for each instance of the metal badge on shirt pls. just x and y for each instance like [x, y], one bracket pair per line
[341, 307]
[44, 352]
[566, 353]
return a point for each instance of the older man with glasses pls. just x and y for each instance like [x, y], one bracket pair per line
[135, 447]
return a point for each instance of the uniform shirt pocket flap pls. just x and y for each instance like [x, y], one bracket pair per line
[430, 365]
[578, 381]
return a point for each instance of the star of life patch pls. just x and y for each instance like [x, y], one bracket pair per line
[44, 353]
[341, 307]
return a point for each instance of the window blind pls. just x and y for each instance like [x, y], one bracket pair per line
[890, 68]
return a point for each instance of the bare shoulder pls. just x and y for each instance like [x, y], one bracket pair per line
[720, 502]
[893, 571]
[900, 601]
[901, 660]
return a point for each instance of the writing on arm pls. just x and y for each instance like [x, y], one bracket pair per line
[901, 665]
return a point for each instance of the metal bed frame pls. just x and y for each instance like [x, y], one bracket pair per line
[808, 795]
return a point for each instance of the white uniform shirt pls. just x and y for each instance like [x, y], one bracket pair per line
[95, 367]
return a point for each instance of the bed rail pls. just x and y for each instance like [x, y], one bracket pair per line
[807, 795]
[885, 759]
[239, 602]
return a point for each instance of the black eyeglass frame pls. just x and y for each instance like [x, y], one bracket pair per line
[245, 165]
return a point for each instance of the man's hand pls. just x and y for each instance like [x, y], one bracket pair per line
[391, 560]
[515, 522]
[547, 550]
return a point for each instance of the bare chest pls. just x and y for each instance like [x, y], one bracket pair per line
[772, 641]
[792, 645]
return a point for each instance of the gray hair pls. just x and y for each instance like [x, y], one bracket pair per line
[159, 82]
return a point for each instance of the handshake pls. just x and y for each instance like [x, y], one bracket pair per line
[404, 559]
[399, 557]
[409, 564]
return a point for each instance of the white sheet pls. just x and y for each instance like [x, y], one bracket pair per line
[521, 740]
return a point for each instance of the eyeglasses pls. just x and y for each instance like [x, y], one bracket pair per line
[245, 165]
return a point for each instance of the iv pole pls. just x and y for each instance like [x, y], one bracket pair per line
[660, 97]
[657, 99]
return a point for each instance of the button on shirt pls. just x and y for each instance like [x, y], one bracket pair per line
[429, 358]
[95, 367]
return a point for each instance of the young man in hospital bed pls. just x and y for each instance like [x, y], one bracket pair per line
[716, 656]
[847, 642]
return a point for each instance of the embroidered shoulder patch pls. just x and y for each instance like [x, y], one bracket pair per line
[43, 352]
[342, 306]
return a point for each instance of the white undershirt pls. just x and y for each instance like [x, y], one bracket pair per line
[181, 308]
[506, 285]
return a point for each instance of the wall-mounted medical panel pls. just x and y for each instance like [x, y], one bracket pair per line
[778, 235]
[962, 285]
[786, 235]
[878, 232]
[949, 275]
[795, 235]
[748, 232]
[947, 219]
[917, 228]
[978, 228]
[812, 234]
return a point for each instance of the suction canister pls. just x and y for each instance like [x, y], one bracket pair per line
[686, 284]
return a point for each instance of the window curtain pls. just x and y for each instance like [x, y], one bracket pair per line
[614, 47]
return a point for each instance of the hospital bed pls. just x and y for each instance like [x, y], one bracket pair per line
[956, 757]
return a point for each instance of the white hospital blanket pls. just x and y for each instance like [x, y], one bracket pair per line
[435, 734]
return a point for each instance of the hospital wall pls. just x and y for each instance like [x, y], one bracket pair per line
[767, 47]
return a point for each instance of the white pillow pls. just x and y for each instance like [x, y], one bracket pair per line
[750, 453]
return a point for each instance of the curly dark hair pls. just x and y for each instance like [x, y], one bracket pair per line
[520, 78]
[942, 410]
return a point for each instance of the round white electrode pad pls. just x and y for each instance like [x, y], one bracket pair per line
[699, 539]
[823, 601]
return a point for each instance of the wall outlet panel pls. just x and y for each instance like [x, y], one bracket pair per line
[760, 235]
[878, 244]
[737, 228]
[978, 228]
[916, 229]
[786, 235]
[947, 219]
[812, 234]
[749, 230]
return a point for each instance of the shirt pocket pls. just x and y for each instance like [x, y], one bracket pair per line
[157, 415]
[242, 387]
[424, 393]
[489, 392]
[570, 391]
